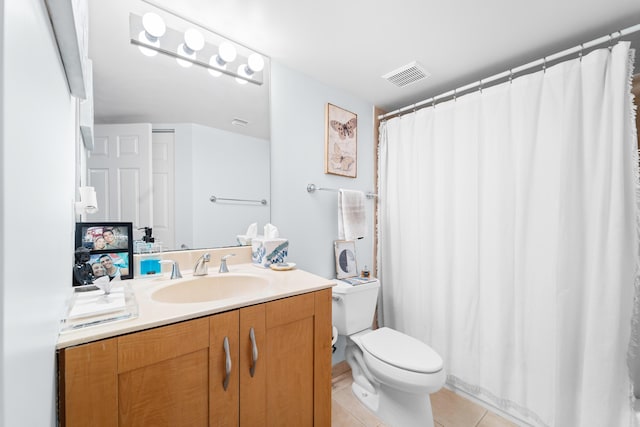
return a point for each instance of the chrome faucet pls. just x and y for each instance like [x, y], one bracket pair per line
[175, 268]
[201, 268]
[223, 263]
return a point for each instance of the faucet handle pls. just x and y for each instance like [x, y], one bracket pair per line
[224, 258]
[223, 263]
[175, 268]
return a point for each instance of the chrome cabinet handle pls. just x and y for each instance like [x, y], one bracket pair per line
[225, 344]
[254, 352]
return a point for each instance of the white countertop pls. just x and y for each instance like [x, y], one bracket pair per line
[152, 313]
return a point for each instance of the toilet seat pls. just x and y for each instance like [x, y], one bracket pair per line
[401, 351]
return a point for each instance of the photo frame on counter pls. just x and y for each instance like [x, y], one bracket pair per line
[118, 262]
[110, 246]
[341, 142]
[345, 252]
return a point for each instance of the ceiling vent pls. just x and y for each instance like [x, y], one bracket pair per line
[406, 75]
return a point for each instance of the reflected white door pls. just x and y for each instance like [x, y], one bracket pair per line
[119, 167]
[163, 188]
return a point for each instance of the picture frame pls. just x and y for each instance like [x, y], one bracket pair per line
[341, 142]
[110, 246]
[345, 252]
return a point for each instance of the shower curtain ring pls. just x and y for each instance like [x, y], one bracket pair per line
[580, 54]
[454, 95]
[510, 75]
[612, 39]
[544, 64]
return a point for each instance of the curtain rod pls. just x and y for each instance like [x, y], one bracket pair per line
[542, 61]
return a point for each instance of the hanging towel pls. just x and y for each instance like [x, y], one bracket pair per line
[352, 223]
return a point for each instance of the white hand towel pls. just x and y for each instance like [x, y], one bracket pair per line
[352, 223]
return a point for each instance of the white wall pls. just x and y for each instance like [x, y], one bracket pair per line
[310, 221]
[37, 190]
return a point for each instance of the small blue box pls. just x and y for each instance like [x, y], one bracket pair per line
[150, 266]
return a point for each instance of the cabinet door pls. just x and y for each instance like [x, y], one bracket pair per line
[224, 379]
[253, 366]
[88, 387]
[163, 376]
[291, 358]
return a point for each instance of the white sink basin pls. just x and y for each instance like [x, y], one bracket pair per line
[211, 288]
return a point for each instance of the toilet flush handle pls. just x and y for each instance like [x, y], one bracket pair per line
[336, 298]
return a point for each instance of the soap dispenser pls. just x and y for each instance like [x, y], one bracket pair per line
[150, 253]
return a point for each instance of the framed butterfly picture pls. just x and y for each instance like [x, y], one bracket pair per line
[341, 142]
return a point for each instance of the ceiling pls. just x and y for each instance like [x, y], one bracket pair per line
[346, 45]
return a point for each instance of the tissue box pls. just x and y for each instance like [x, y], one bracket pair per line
[265, 252]
[243, 240]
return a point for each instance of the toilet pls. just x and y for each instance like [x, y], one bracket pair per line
[393, 373]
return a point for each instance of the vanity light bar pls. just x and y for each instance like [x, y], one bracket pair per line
[169, 44]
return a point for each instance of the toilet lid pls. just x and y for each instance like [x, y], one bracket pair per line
[401, 351]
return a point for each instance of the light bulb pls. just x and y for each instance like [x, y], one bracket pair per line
[185, 52]
[256, 62]
[193, 39]
[142, 38]
[242, 71]
[153, 25]
[154, 28]
[226, 53]
[193, 42]
[214, 63]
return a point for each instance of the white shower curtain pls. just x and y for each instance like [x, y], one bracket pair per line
[508, 242]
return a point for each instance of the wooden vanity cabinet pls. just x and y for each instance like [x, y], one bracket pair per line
[175, 375]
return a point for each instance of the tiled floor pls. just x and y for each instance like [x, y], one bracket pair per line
[449, 409]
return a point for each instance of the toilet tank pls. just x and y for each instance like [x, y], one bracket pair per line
[354, 305]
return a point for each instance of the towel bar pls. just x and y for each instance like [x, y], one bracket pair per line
[214, 199]
[312, 188]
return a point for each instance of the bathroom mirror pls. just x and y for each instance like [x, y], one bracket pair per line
[225, 125]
